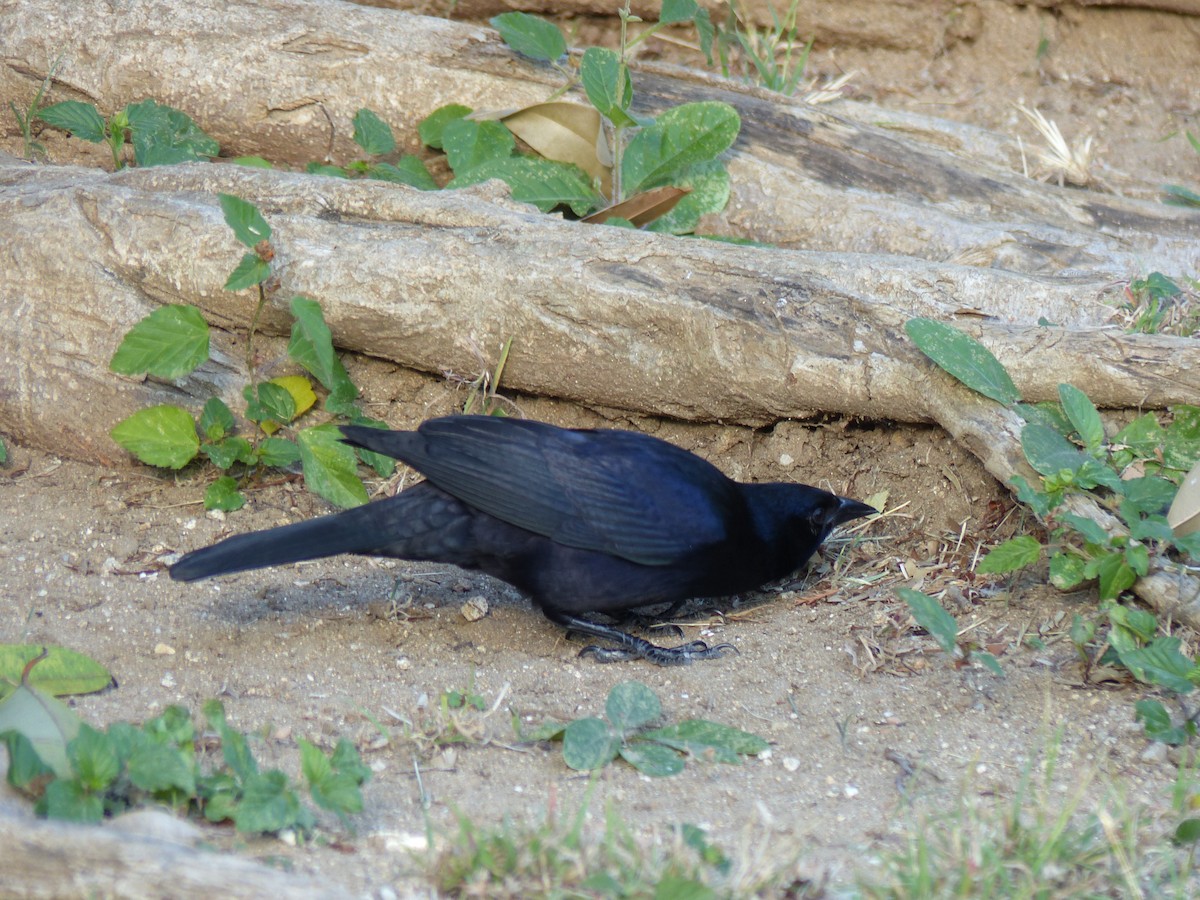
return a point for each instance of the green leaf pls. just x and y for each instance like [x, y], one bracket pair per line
[93, 758]
[1161, 663]
[168, 343]
[216, 419]
[62, 672]
[1138, 558]
[66, 799]
[346, 760]
[678, 11]
[223, 494]
[159, 436]
[373, 134]
[246, 221]
[1049, 452]
[234, 748]
[268, 402]
[631, 705]
[253, 162]
[162, 135]
[655, 760]
[432, 126]
[1083, 416]
[469, 143]
[157, 768]
[333, 790]
[706, 32]
[1148, 494]
[1156, 285]
[250, 271]
[1092, 473]
[311, 344]
[409, 170]
[932, 617]
[81, 119]
[709, 184]
[964, 358]
[224, 453]
[384, 466]
[589, 744]
[3, 453]
[1040, 502]
[681, 137]
[330, 466]
[1143, 624]
[1188, 831]
[1181, 448]
[1177, 195]
[600, 71]
[530, 36]
[1091, 531]
[1083, 631]
[1115, 575]
[26, 770]
[1151, 528]
[542, 182]
[47, 723]
[1049, 414]
[267, 805]
[1011, 555]
[1157, 722]
[1144, 435]
[1066, 571]
[703, 738]
[988, 661]
[278, 452]
[316, 168]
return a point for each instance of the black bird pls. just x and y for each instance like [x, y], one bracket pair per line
[582, 521]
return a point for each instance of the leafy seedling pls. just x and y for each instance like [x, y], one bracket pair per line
[160, 135]
[592, 743]
[173, 341]
[943, 628]
[376, 139]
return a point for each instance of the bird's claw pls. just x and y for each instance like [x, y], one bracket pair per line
[663, 656]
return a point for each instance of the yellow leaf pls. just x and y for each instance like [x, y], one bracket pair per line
[301, 390]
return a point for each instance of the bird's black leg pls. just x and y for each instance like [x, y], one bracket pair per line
[630, 647]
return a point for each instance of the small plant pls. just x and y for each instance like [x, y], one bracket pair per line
[1134, 475]
[593, 743]
[173, 340]
[1035, 844]
[376, 139]
[1177, 195]
[1157, 304]
[82, 774]
[556, 857]
[943, 628]
[774, 57]
[600, 159]
[31, 148]
[161, 135]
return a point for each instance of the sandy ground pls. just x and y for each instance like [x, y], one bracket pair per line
[831, 669]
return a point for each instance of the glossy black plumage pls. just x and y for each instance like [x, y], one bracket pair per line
[582, 521]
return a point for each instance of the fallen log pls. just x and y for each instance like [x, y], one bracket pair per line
[802, 176]
[638, 321]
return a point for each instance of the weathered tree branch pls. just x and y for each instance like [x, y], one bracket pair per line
[653, 323]
[802, 176]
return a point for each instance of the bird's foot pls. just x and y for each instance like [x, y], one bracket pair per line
[662, 656]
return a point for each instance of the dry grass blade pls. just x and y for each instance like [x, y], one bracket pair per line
[1062, 161]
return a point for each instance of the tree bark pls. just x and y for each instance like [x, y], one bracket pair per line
[804, 177]
[653, 323]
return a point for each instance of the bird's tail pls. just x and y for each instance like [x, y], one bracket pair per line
[353, 531]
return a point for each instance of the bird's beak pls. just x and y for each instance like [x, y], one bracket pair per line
[848, 510]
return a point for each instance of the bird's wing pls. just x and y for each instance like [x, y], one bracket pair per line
[615, 492]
